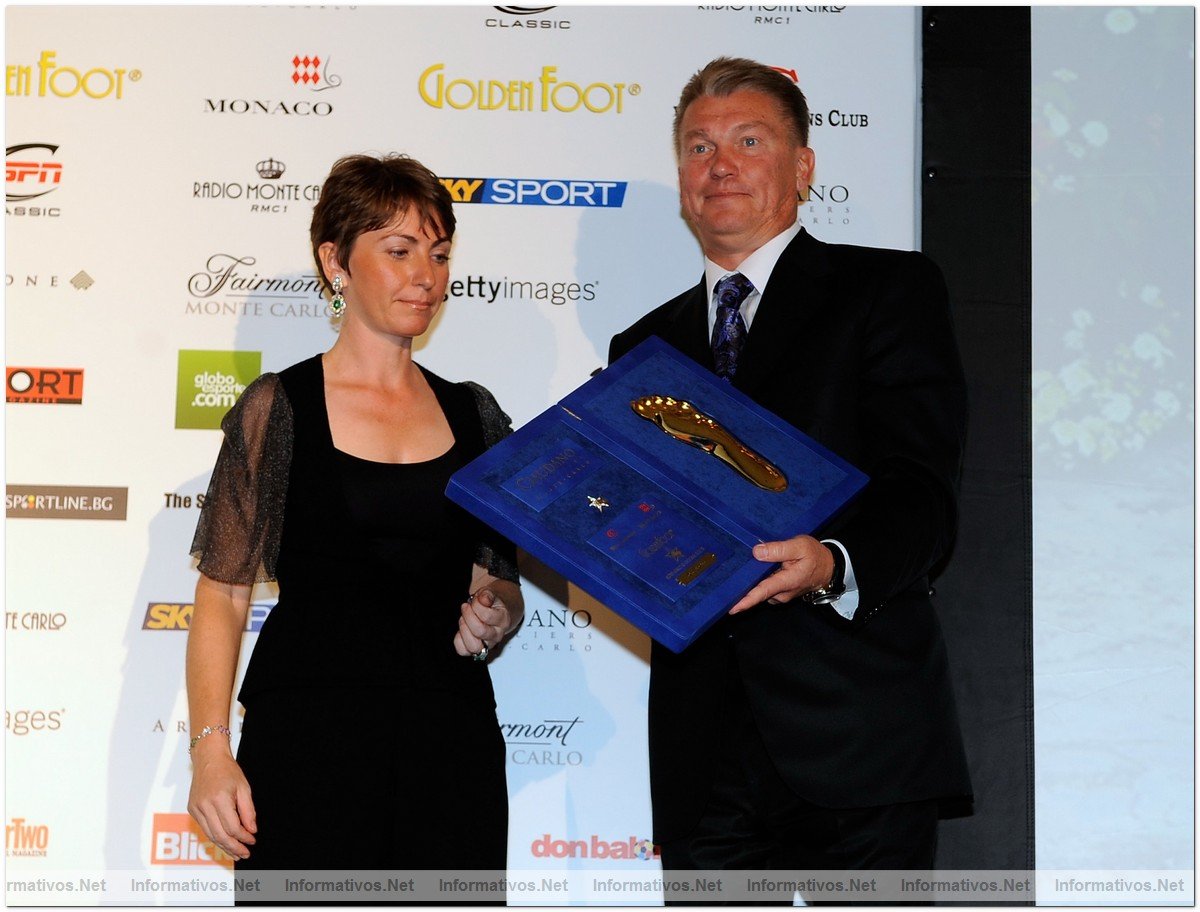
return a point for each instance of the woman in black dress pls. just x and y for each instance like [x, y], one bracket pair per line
[370, 738]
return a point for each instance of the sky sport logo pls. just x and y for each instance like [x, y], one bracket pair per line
[178, 616]
[177, 840]
[524, 191]
[595, 848]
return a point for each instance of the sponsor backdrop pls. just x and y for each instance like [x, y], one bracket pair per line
[158, 199]
[161, 168]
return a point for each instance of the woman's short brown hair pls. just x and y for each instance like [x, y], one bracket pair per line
[365, 193]
[727, 75]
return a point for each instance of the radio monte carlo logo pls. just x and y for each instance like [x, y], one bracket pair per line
[208, 383]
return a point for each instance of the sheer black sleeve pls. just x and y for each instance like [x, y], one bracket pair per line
[495, 554]
[241, 522]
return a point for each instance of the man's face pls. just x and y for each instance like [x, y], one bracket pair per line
[740, 170]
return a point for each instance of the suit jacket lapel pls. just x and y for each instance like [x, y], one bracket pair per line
[689, 326]
[800, 285]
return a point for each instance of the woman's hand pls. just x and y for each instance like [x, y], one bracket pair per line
[488, 616]
[220, 798]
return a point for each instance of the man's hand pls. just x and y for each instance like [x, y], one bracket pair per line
[806, 565]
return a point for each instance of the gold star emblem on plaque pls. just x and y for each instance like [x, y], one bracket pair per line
[598, 502]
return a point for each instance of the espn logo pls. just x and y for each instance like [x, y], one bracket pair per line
[32, 176]
[176, 839]
[178, 616]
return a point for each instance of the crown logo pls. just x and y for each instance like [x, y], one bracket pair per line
[270, 169]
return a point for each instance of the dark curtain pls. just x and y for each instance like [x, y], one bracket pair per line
[976, 225]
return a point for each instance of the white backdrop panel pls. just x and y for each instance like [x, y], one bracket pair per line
[158, 192]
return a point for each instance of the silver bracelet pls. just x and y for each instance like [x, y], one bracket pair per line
[205, 732]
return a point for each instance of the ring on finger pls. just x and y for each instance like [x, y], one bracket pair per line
[482, 655]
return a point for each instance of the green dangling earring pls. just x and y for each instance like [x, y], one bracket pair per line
[338, 304]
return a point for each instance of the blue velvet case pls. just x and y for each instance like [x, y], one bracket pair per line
[658, 530]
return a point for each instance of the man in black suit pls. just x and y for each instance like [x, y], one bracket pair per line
[814, 726]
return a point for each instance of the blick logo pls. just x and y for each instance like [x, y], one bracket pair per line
[177, 840]
[209, 383]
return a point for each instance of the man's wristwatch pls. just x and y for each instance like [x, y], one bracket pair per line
[831, 591]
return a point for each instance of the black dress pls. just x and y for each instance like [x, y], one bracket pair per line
[368, 742]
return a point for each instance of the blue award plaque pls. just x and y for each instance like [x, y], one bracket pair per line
[648, 486]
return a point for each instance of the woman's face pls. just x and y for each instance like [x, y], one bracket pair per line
[396, 278]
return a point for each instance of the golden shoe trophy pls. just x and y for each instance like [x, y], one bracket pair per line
[682, 421]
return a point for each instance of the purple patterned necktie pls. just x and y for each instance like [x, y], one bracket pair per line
[729, 331]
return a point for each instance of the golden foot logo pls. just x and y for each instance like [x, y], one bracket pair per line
[547, 93]
[47, 77]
